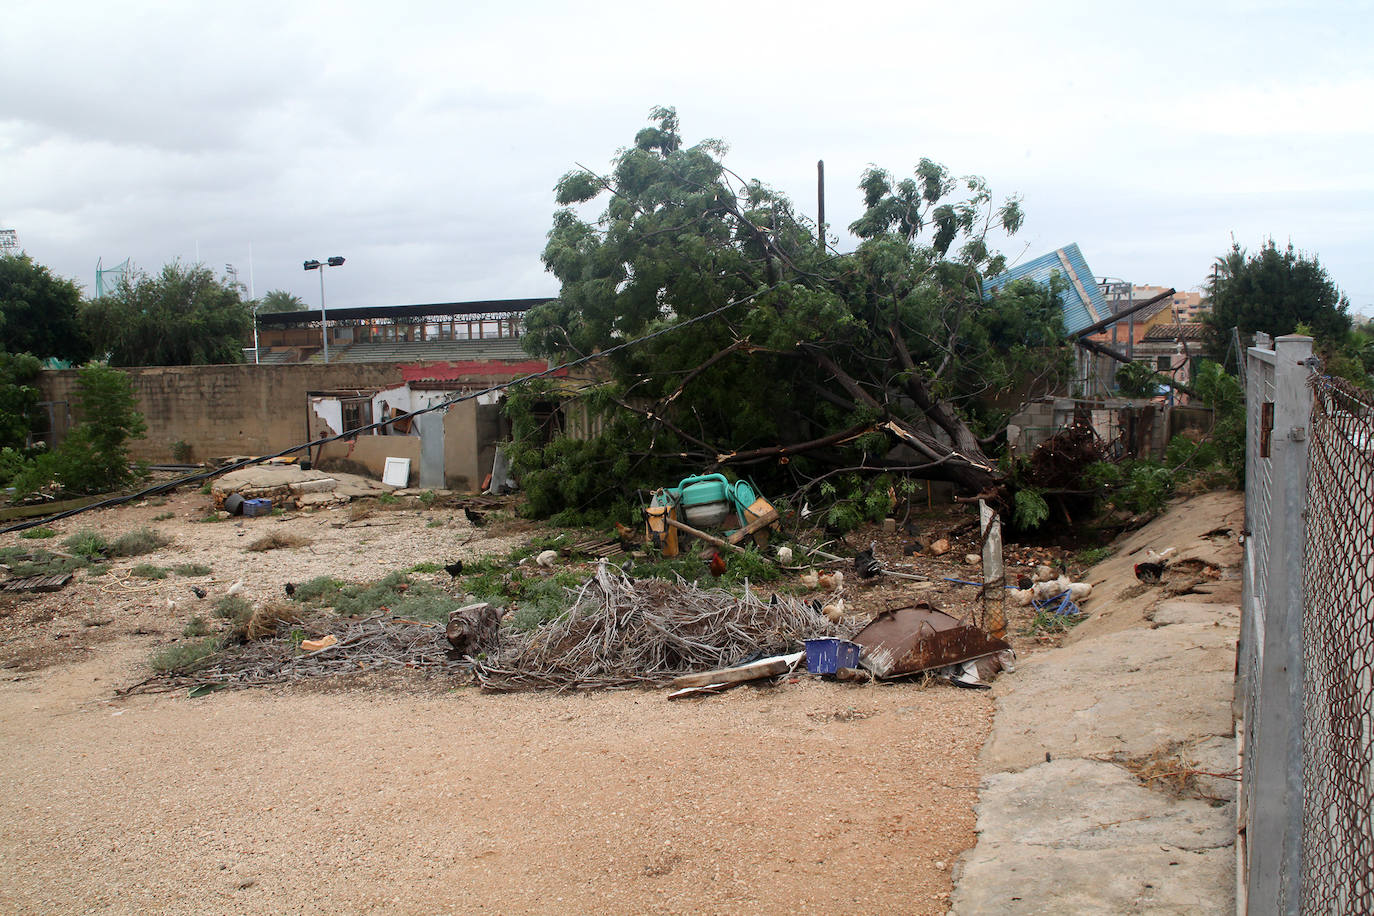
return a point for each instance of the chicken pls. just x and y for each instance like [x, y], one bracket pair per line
[1024, 583]
[1021, 597]
[1079, 590]
[290, 589]
[810, 578]
[1042, 574]
[716, 564]
[454, 569]
[834, 610]
[547, 558]
[1162, 557]
[475, 519]
[831, 581]
[235, 589]
[785, 556]
[866, 562]
[1043, 591]
[198, 591]
[172, 605]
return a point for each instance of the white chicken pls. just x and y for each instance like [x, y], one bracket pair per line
[1042, 574]
[547, 558]
[1021, 597]
[1079, 590]
[1152, 557]
[810, 578]
[235, 589]
[1048, 589]
[785, 556]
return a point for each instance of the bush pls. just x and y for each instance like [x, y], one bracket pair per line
[36, 533]
[320, 588]
[181, 452]
[87, 543]
[233, 607]
[138, 542]
[149, 571]
[184, 657]
[191, 569]
[196, 626]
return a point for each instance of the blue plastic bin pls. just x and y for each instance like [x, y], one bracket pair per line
[826, 656]
[253, 507]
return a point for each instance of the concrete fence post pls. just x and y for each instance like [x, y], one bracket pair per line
[1274, 820]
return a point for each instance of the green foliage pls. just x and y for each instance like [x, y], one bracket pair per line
[1048, 623]
[191, 569]
[39, 312]
[164, 516]
[94, 458]
[38, 533]
[18, 408]
[138, 542]
[427, 497]
[184, 657]
[206, 488]
[1091, 556]
[235, 608]
[150, 571]
[1272, 291]
[320, 588]
[183, 316]
[87, 543]
[24, 561]
[1031, 509]
[681, 236]
[181, 451]
[1137, 380]
[388, 499]
[196, 627]
[426, 567]
[279, 300]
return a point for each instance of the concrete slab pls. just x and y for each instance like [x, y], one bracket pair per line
[1080, 836]
[1145, 672]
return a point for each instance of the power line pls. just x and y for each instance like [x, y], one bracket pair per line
[441, 405]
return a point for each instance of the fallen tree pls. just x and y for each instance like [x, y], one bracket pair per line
[831, 359]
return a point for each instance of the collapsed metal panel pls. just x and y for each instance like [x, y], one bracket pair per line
[919, 638]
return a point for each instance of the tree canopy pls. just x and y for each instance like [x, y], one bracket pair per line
[279, 300]
[1273, 291]
[829, 359]
[182, 316]
[39, 311]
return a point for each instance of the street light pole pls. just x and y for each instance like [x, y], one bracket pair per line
[324, 317]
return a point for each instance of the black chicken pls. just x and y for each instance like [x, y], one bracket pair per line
[475, 519]
[290, 589]
[866, 563]
[199, 592]
[454, 569]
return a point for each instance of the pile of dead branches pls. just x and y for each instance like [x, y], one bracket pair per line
[621, 632]
[372, 644]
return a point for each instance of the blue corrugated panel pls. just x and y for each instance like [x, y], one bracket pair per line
[1078, 311]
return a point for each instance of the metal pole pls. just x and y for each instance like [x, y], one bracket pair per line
[256, 355]
[324, 320]
[820, 202]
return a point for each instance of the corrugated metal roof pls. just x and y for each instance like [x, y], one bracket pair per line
[1082, 300]
[1185, 330]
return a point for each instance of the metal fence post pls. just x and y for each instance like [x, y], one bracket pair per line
[1274, 751]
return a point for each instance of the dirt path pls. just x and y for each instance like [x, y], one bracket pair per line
[423, 798]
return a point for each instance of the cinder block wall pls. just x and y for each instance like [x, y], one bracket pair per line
[233, 410]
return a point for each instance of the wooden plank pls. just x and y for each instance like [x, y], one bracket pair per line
[48, 508]
[763, 521]
[764, 667]
[708, 538]
[697, 691]
[36, 583]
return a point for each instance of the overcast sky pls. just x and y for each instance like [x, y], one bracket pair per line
[422, 141]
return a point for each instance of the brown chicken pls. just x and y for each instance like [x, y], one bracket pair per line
[717, 564]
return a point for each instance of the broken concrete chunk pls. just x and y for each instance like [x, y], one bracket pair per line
[940, 548]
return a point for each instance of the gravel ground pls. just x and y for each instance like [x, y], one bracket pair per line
[414, 796]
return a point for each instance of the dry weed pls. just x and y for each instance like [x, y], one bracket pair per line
[277, 540]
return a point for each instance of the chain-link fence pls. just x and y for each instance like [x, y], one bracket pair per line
[1305, 663]
[1338, 654]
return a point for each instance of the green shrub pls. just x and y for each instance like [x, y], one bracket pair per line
[36, 533]
[426, 567]
[321, 588]
[196, 626]
[1091, 556]
[149, 571]
[181, 451]
[184, 657]
[233, 607]
[138, 542]
[191, 569]
[87, 543]
[1031, 509]
[164, 516]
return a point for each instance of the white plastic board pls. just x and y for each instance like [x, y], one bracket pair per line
[396, 473]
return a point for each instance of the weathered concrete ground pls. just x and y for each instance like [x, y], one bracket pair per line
[1069, 820]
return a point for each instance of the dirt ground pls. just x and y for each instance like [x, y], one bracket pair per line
[413, 795]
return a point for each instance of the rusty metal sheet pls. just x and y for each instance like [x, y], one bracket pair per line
[914, 639]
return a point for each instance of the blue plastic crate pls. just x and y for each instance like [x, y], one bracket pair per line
[826, 656]
[253, 507]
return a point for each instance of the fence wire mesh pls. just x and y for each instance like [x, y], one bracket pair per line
[1338, 651]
